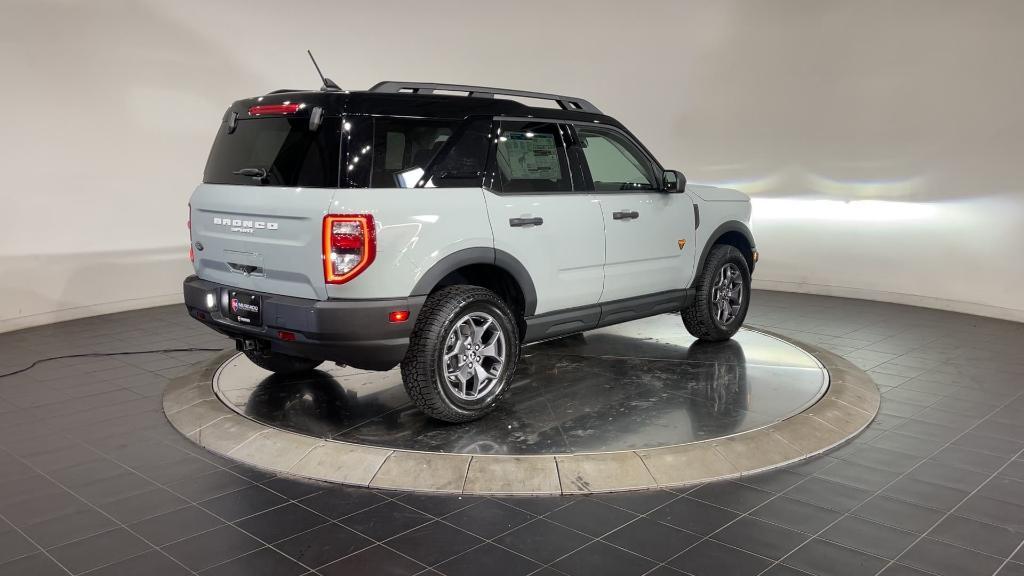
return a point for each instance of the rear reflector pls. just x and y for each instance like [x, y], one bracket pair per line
[398, 316]
[349, 246]
[286, 336]
[263, 109]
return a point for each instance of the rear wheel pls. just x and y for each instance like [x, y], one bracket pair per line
[281, 363]
[723, 295]
[462, 354]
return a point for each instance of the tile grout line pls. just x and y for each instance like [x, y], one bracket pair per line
[118, 523]
[233, 523]
[229, 522]
[198, 431]
[592, 539]
[1010, 557]
[39, 550]
[469, 466]
[953, 509]
[879, 491]
[648, 469]
[243, 443]
[379, 468]
[810, 536]
[887, 430]
[558, 474]
[301, 458]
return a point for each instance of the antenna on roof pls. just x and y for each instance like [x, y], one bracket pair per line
[328, 83]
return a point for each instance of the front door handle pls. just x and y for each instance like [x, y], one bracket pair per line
[516, 222]
[625, 215]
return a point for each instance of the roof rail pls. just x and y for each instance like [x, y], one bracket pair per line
[565, 102]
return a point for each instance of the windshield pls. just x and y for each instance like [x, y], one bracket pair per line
[276, 152]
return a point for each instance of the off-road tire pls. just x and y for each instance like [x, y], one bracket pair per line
[282, 363]
[699, 317]
[421, 367]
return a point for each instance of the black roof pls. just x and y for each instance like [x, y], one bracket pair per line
[424, 105]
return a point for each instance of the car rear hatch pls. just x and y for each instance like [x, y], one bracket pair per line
[256, 221]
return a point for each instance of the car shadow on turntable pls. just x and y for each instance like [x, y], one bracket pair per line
[587, 393]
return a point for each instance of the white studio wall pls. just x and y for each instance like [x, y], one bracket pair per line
[880, 140]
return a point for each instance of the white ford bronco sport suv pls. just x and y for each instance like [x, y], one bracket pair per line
[442, 227]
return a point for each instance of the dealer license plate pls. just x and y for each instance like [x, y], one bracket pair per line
[244, 308]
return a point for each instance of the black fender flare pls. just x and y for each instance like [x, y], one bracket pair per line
[724, 228]
[468, 256]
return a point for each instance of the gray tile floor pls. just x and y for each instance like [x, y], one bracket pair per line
[93, 479]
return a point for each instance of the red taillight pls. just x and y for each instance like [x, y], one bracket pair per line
[350, 245]
[398, 316]
[347, 241]
[188, 223]
[287, 108]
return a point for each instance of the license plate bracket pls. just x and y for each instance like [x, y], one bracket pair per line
[245, 308]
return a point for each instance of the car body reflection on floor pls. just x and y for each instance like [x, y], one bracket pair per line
[638, 385]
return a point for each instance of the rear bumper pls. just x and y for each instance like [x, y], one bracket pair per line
[353, 332]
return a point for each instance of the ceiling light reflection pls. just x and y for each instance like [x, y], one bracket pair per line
[838, 210]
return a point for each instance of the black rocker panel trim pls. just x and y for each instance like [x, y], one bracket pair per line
[468, 256]
[644, 306]
[730, 226]
[562, 323]
[565, 322]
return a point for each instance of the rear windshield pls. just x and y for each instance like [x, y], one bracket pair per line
[285, 148]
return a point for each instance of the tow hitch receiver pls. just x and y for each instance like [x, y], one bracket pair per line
[246, 344]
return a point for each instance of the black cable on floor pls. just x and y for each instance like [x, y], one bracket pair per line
[100, 354]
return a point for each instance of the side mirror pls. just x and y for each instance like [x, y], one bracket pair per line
[673, 181]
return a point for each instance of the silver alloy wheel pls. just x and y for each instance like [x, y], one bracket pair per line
[473, 355]
[727, 294]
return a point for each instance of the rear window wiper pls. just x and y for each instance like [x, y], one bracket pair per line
[257, 174]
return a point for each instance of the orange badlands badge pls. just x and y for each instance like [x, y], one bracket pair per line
[681, 244]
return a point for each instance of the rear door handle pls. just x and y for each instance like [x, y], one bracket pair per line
[625, 215]
[516, 222]
[247, 269]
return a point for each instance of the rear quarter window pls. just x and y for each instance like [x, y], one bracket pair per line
[291, 154]
[402, 145]
[398, 152]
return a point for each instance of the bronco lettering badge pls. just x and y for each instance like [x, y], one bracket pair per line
[244, 226]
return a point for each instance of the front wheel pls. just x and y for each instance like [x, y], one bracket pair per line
[723, 295]
[462, 354]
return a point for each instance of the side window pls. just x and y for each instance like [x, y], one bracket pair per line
[615, 163]
[530, 157]
[402, 149]
[463, 162]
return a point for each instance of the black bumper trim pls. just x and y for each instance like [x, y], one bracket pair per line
[352, 332]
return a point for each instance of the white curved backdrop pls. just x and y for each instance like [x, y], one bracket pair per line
[880, 140]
